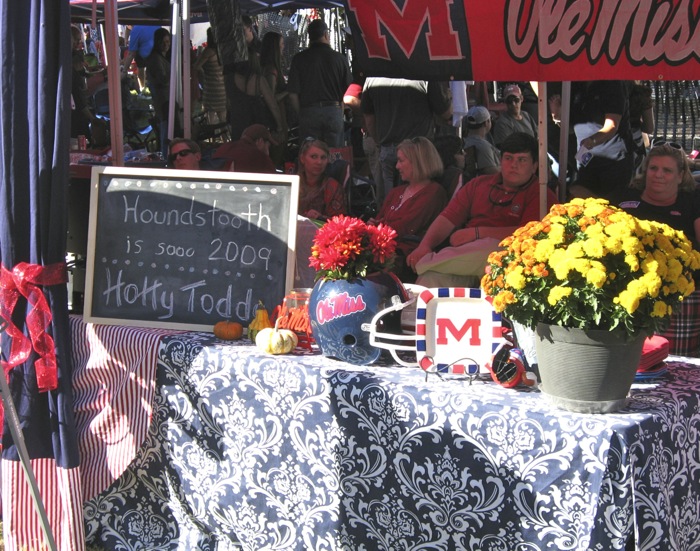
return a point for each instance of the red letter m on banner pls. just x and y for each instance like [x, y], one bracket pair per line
[405, 25]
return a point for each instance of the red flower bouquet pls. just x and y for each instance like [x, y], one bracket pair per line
[347, 248]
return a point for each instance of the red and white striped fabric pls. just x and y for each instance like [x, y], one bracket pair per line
[114, 369]
[60, 493]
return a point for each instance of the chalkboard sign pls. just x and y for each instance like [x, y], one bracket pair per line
[185, 249]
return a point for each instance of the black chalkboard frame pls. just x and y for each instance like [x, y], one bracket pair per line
[235, 183]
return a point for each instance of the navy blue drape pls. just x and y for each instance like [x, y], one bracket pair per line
[35, 55]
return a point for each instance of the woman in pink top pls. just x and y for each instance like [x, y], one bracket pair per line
[320, 196]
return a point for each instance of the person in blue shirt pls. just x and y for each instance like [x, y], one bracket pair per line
[140, 47]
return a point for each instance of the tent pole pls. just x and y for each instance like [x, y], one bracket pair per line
[564, 138]
[186, 68]
[543, 159]
[175, 45]
[104, 46]
[114, 79]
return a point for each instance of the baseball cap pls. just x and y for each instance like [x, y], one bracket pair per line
[512, 90]
[257, 132]
[478, 115]
[317, 28]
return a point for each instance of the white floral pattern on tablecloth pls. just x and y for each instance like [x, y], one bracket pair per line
[300, 452]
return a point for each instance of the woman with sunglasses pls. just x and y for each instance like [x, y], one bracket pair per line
[411, 207]
[320, 196]
[665, 191]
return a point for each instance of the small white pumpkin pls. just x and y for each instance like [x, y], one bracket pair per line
[276, 341]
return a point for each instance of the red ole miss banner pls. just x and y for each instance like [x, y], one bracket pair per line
[546, 40]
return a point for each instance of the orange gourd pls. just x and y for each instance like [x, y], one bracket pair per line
[228, 330]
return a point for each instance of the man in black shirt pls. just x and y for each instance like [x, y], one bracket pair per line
[318, 78]
[396, 109]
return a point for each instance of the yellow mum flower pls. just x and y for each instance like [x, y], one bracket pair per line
[597, 276]
[581, 265]
[649, 264]
[581, 248]
[613, 245]
[593, 248]
[560, 264]
[632, 245]
[683, 285]
[503, 299]
[515, 279]
[651, 283]
[575, 250]
[694, 263]
[558, 220]
[660, 309]
[593, 209]
[661, 263]
[632, 261]
[557, 293]
[628, 300]
[556, 233]
[543, 250]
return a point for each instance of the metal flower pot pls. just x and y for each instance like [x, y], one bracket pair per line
[586, 371]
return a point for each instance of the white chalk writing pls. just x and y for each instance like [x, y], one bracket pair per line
[212, 216]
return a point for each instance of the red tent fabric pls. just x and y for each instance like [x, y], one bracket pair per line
[513, 40]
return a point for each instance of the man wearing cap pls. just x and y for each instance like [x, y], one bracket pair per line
[514, 119]
[478, 125]
[318, 78]
[251, 153]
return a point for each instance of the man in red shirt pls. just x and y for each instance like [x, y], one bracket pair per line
[251, 153]
[482, 212]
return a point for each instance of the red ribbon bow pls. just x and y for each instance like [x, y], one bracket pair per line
[26, 280]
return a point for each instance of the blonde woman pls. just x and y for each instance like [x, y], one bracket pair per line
[411, 207]
[665, 191]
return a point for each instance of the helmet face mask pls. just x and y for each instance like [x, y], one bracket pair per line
[444, 330]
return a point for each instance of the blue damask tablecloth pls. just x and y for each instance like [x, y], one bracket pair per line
[300, 452]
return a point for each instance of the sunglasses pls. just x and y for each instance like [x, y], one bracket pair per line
[504, 197]
[181, 153]
[513, 99]
[659, 143]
